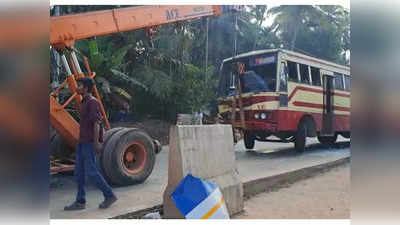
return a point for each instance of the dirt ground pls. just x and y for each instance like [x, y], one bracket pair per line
[325, 196]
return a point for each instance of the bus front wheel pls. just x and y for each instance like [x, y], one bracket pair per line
[301, 137]
[327, 140]
[249, 140]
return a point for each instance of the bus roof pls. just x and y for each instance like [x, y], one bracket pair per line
[289, 53]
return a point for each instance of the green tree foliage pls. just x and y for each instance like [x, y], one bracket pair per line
[320, 31]
[167, 74]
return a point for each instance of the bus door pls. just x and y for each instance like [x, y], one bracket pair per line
[327, 116]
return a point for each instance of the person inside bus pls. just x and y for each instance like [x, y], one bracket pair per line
[252, 82]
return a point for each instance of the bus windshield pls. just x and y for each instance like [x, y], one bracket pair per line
[260, 75]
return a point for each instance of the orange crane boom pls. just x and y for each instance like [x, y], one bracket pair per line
[64, 30]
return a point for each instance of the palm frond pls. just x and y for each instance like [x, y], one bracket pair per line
[125, 78]
[121, 92]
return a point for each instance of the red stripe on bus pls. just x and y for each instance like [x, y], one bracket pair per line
[252, 100]
[320, 106]
[258, 99]
[313, 90]
[341, 94]
[340, 108]
[303, 89]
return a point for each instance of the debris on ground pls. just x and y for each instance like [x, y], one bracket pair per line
[142, 213]
[154, 215]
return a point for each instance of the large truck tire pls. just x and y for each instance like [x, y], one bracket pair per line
[99, 157]
[128, 157]
[58, 148]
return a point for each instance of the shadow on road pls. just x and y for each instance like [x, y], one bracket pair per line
[291, 152]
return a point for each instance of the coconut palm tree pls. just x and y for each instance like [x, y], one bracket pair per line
[289, 18]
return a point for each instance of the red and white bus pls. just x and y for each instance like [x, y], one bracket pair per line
[285, 94]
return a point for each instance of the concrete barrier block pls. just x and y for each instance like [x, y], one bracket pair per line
[206, 152]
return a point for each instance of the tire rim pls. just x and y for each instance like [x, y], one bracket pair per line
[134, 158]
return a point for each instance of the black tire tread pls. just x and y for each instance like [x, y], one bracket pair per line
[301, 136]
[249, 140]
[99, 157]
[327, 140]
[112, 165]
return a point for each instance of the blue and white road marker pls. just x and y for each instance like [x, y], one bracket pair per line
[199, 199]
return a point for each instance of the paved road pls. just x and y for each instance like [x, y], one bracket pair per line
[267, 159]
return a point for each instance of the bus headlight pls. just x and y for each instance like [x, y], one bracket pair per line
[257, 116]
[263, 116]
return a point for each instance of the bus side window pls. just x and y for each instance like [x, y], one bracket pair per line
[283, 77]
[304, 75]
[339, 81]
[292, 66]
[315, 76]
[347, 82]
